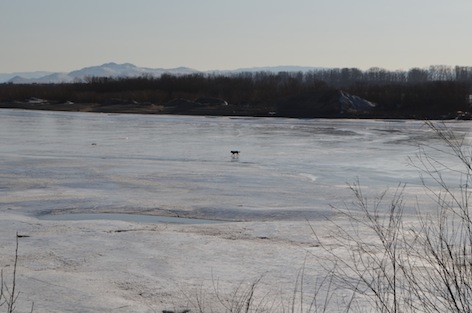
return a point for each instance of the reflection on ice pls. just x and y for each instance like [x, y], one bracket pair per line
[79, 162]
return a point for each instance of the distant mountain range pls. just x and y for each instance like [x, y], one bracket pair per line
[125, 70]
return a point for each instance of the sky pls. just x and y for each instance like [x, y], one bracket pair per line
[65, 35]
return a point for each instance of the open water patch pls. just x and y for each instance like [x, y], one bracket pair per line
[127, 218]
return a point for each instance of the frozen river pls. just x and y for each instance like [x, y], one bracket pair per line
[181, 166]
[180, 170]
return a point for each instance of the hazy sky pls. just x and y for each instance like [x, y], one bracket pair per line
[64, 35]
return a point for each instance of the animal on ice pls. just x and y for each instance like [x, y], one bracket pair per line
[235, 154]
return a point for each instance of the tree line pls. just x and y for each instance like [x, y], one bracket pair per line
[438, 89]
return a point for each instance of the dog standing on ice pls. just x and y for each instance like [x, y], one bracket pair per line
[235, 154]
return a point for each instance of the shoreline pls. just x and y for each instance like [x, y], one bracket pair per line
[211, 110]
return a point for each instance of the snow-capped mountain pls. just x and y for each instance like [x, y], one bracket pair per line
[128, 70]
[23, 75]
[277, 69]
[104, 70]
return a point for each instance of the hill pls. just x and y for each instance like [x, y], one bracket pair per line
[129, 70]
[105, 70]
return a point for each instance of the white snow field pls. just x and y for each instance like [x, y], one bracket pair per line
[78, 189]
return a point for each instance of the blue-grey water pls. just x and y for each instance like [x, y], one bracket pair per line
[70, 162]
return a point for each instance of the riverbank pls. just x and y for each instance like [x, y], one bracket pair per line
[141, 108]
[218, 110]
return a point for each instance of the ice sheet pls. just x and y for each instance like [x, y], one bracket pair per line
[182, 165]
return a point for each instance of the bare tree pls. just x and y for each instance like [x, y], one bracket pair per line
[8, 292]
[420, 265]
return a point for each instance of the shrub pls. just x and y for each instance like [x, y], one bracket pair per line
[398, 265]
[8, 292]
